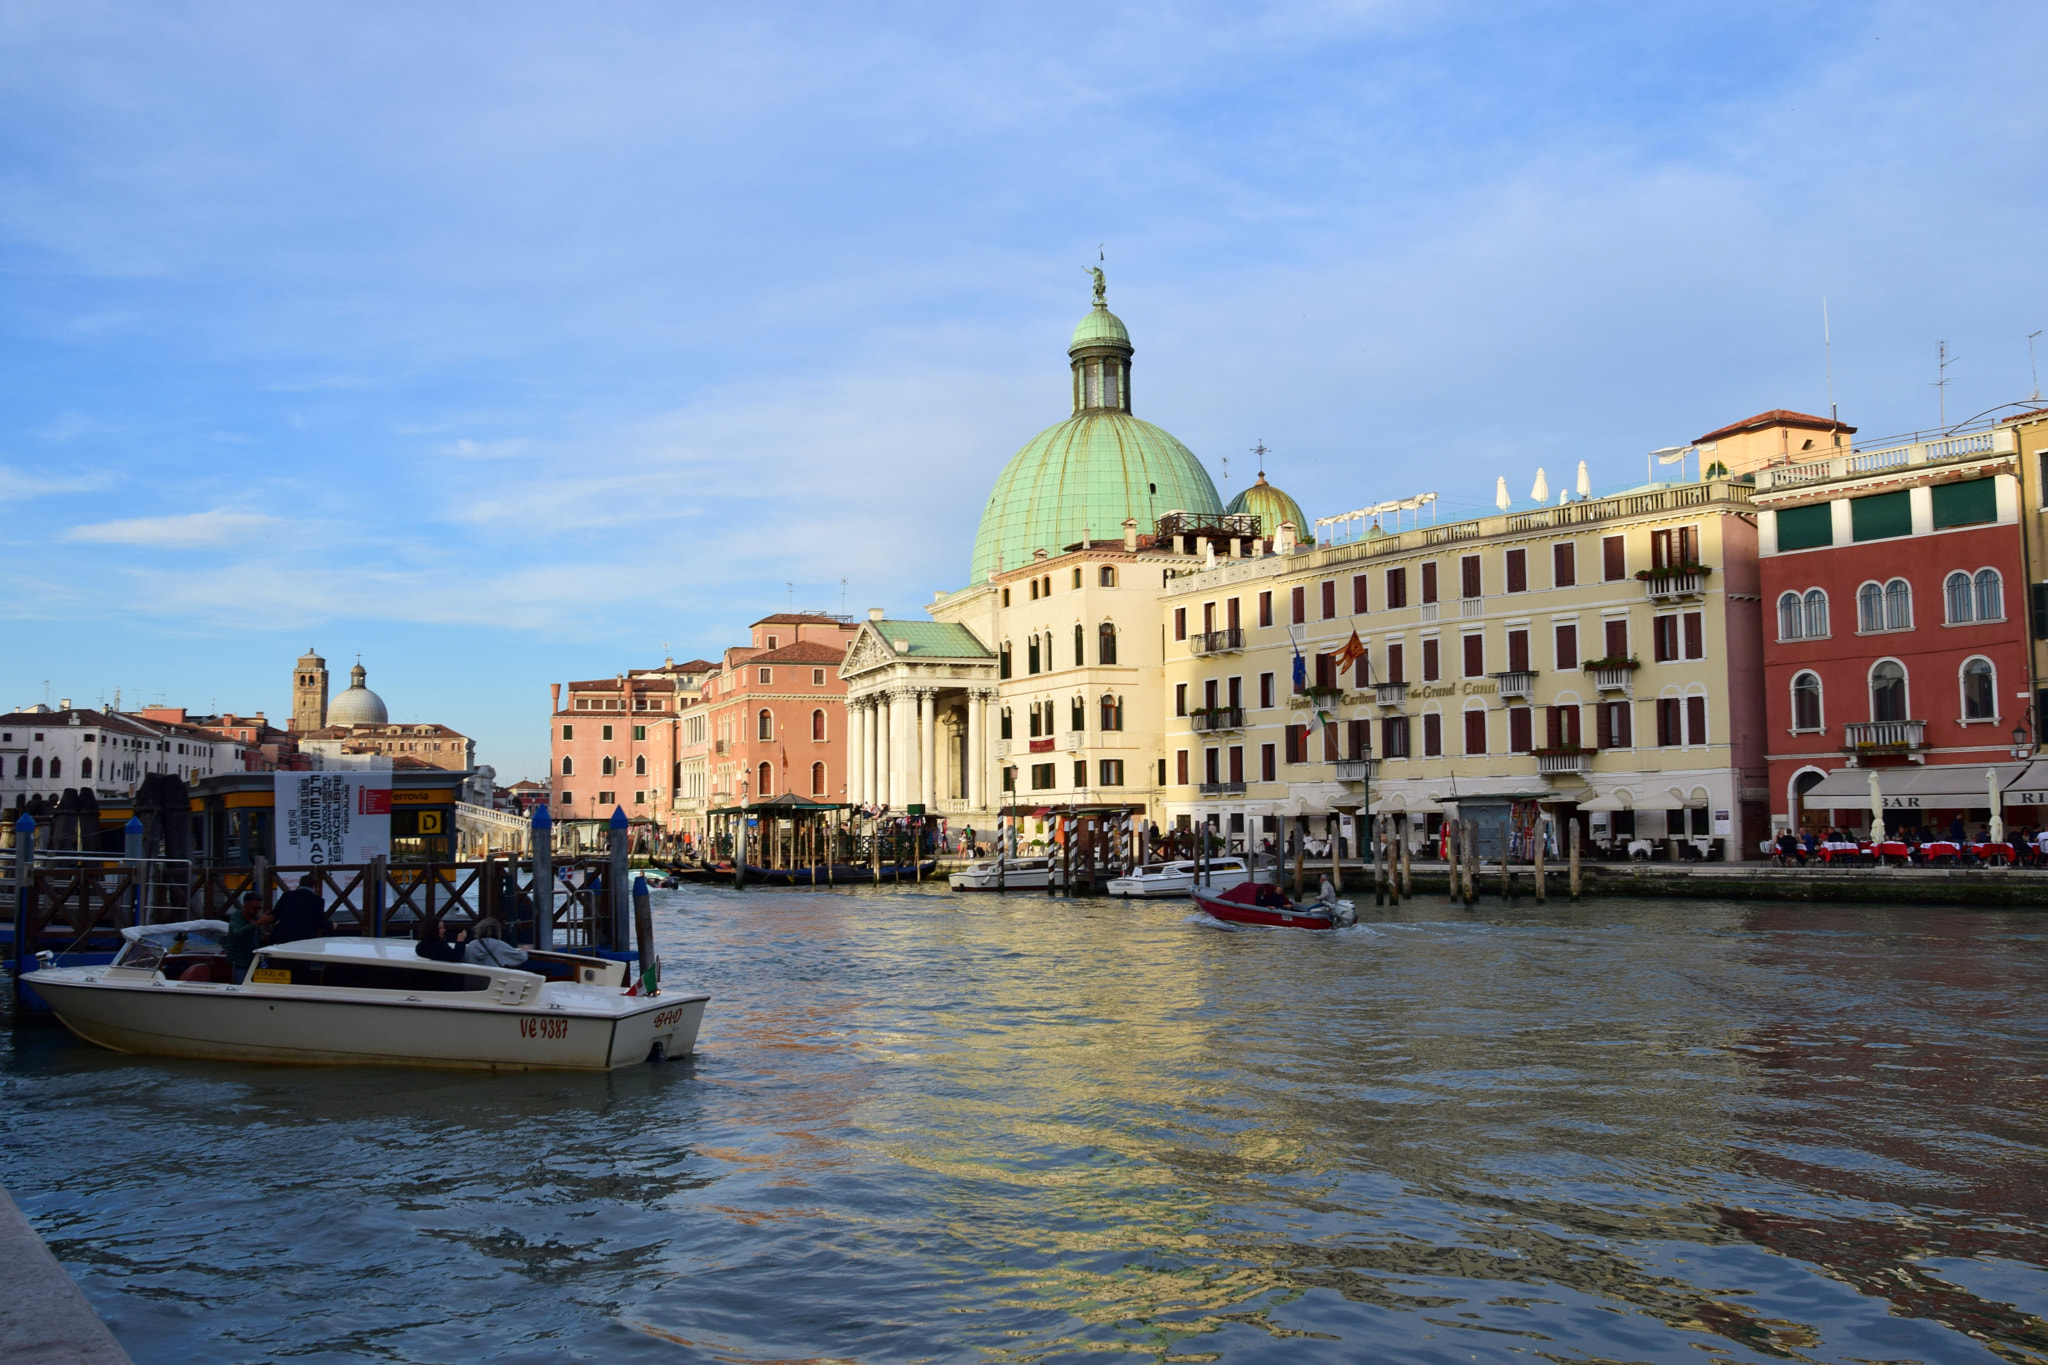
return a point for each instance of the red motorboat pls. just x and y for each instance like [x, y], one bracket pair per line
[1252, 903]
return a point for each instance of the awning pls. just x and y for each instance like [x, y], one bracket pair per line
[1963, 786]
[2030, 788]
[1609, 801]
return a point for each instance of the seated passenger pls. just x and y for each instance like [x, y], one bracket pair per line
[434, 947]
[488, 950]
[246, 924]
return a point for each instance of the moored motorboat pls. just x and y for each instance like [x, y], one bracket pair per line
[997, 874]
[1178, 878]
[170, 993]
[1269, 907]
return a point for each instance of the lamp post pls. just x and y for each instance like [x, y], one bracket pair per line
[2021, 745]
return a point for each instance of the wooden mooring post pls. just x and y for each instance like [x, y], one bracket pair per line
[1541, 898]
[1471, 832]
[1574, 837]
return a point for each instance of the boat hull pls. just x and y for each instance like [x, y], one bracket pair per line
[1013, 879]
[226, 1023]
[1237, 912]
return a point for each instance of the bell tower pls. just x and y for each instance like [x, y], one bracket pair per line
[309, 693]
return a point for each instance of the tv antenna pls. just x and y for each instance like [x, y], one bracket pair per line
[842, 597]
[1827, 341]
[1941, 384]
[2035, 396]
[792, 593]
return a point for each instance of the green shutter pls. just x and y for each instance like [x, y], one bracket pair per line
[1802, 528]
[1966, 503]
[1881, 516]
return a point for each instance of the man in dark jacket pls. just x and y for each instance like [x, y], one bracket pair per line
[300, 914]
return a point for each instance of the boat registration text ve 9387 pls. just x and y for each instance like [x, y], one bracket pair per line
[530, 1027]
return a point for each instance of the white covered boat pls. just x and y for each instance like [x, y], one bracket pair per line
[1015, 874]
[1178, 878]
[169, 993]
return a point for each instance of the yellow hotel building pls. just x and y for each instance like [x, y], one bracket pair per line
[1598, 659]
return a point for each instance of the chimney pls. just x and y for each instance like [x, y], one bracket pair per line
[874, 613]
[1284, 542]
[555, 693]
[1131, 534]
[1086, 540]
[64, 704]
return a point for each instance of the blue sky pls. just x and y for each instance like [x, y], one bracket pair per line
[508, 343]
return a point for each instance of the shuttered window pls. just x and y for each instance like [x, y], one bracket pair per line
[1475, 656]
[1881, 516]
[1804, 528]
[1517, 571]
[1567, 647]
[1358, 594]
[1519, 728]
[1966, 503]
[1613, 558]
[1475, 732]
[1433, 735]
[1564, 565]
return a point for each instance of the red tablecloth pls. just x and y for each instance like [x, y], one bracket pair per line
[1892, 849]
[1992, 851]
[1942, 849]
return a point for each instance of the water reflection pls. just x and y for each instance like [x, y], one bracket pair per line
[930, 1128]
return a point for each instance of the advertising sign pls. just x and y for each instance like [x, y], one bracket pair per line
[333, 817]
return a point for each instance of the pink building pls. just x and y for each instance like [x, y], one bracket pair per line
[775, 712]
[613, 744]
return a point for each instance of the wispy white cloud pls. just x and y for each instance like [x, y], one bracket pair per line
[17, 484]
[221, 528]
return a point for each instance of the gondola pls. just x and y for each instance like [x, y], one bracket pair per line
[839, 874]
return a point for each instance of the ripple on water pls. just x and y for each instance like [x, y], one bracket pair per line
[924, 1127]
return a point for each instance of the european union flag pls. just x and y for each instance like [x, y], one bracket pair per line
[1300, 672]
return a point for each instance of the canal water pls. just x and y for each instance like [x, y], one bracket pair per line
[934, 1128]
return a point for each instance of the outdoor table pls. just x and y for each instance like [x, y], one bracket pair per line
[1940, 848]
[1839, 849]
[1992, 852]
[1893, 848]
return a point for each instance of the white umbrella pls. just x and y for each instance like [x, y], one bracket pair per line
[1585, 480]
[1997, 807]
[1500, 494]
[1541, 492]
[1564, 495]
[1876, 809]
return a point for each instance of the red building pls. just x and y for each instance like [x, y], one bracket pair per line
[1895, 636]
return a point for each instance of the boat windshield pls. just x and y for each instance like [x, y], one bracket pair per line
[148, 945]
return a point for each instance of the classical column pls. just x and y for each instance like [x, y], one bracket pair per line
[902, 748]
[856, 752]
[970, 762]
[928, 735]
[880, 740]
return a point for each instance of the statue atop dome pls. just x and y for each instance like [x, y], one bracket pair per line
[1101, 287]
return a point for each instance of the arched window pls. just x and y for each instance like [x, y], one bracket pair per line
[1898, 605]
[1980, 690]
[1077, 716]
[764, 724]
[85, 767]
[1031, 655]
[56, 767]
[1791, 621]
[1112, 712]
[817, 779]
[1080, 645]
[568, 766]
[1956, 591]
[1003, 659]
[1108, 576]
[1888, 691]
[1007, 725]
[1816, 614]
[608, 767]
[1105, 643]
[818, 725]
[640, 765]
[1806, 702]
[1990, 596]
[1869, 608]
[766, 784]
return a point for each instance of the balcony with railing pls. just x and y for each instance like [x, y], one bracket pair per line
[1471, 606]
[1221, 789]
[1227, 641]
[1938, 449]
[1520, 682]
[1354, 770]
[1428, 612]
[1884, 736]
[1216, 719]
[1563, 762]
[1668, 585]
[1390, 693]
[1615, 676]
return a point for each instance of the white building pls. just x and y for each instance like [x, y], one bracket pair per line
[44, 751]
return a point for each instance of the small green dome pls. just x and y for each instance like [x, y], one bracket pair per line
[1100, 327]
[1087, 473]
[1271, 507]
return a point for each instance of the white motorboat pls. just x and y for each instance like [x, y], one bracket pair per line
[1015, 874]
[1178, 878]
[169, 993]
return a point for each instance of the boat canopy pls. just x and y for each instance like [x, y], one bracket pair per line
[135, 933]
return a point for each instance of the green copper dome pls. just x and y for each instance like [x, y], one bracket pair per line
[1099, 326]
[1271, 507]
[1094, 470]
